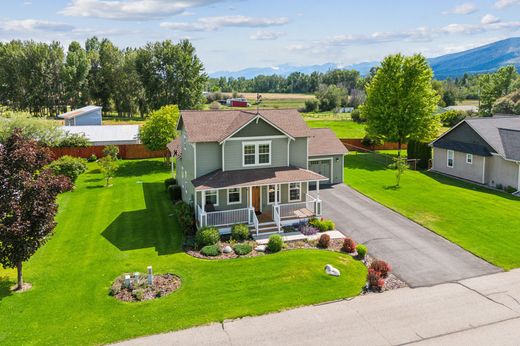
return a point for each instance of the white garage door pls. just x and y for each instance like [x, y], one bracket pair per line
[321, 167]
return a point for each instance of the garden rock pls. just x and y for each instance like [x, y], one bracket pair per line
[331, 270]
[227, 249]
[260, 248]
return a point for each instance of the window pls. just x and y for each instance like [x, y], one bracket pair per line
[234, 196]
[469, 159]
[270, 198]
[294, 192]
[450, 158]
[256, 153]
[212, 197]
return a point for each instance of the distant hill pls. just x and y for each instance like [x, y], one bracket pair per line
[482, 59]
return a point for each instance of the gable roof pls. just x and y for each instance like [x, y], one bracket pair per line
[216, 126]
[324, 142]
[79, 112]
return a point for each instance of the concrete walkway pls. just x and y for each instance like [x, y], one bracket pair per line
[417, 255]
[484, 311]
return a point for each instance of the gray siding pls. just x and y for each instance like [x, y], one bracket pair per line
[337, 167]
[298, 152]
[500, 171]
[465, 134]
[461, 169]
[185, 168]
[209, 158]
[222, 200]
[258, 129]
[233, 154]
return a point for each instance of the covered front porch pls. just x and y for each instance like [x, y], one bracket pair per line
[259, 200]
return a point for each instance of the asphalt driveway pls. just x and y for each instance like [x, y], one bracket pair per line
[417, 255]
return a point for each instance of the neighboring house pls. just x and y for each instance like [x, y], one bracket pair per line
[254, 168]
[89, 115]
[107, 134]
[237, 102]
[482, 150]
[462, 108]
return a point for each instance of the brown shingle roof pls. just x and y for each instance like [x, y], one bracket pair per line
[253, 177]
[175, 147]
[215, 126]
[325, 142]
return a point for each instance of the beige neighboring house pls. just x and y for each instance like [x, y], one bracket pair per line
[481, 150]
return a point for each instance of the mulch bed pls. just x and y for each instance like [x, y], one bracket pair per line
[163, 285]
[196, 253]
[392, 282]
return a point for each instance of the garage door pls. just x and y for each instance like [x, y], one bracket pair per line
[321, 167]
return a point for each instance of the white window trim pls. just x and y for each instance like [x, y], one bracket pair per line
[289, 192]
[239, 196]
[257, 153]
[279, 194]
[469, 162]
[452, 158]
[206, 197]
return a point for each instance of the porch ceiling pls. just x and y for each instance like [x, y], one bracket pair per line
[253, 177]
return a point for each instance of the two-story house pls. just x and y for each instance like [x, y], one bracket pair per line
[254, 168]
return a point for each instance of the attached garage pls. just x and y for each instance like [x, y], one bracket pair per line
[323, 167]
[326, 154]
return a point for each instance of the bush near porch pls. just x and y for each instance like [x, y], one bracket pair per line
[126, 228]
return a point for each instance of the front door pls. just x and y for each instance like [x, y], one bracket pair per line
[256, 198]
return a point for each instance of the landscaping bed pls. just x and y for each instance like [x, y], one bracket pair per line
[137, 290]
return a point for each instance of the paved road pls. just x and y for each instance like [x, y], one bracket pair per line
[417, 255]
[479, 311]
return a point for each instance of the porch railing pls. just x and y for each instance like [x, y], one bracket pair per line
[276, 217]
[311, 204]
[227, 217]
[254, 219]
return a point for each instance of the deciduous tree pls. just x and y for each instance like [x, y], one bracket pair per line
[160, 129]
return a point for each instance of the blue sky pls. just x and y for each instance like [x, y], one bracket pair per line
[234, 34]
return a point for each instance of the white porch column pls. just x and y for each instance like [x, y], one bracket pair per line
[203, 203]
[318, 189]
[250, 192]
[276, 194]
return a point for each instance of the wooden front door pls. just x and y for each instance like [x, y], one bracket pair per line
[256, 198]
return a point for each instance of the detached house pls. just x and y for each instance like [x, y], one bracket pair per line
[253, 168]
[482, 150]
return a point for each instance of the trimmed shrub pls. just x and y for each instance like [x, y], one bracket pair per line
[374, 279]
[328, 225]
[92, 158]
[349, 245]
[322, 225]
[324, 241]
[242, 249]
[240, 232]
[420, 151]
[207, 236]
[210, 250]
[361, 251]
[306, 229]
[69, 166]
[311, 105]
[275, 243]
[357, 117]
[381, 267]
[214, 106]
[74, 140]
[184, 216]
[175, 193]
[168, 182]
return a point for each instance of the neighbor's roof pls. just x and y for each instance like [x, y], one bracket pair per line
[490, 130]
[324, 142]
[249, 177]
[78, 112]
[106, 133]
[216, 126]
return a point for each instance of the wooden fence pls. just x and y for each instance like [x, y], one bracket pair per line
[355, 143]
[126, 151]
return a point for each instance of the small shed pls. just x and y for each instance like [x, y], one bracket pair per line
[89, 115]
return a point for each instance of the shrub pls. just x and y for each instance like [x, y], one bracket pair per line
[499, 186]
[324, 241]
[381, 267]
[322, 225]
[69, 166]
[175, 193]
[242, 249]
[138, 294]
[510, 189]
[92, 158]
[184, 216]
[452, 117]
[169, 181]
[420, 151]
[328, 225]
[207, 236]
[111, 150]
[74, 140]
[361, 251]
[349, 245]
[357, 117]
[374, 279]
[275, 243]
[289, 229]
[307, 229]
[240, 232]
[210, 250]
[311, 105]
[372, 141]
[214, 106]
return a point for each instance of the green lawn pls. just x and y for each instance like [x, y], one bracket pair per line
[342, 128]
[480, 220]
[104, 232]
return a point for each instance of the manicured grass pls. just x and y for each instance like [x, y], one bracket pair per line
[104, 232]
[342, 128]
[480, 220]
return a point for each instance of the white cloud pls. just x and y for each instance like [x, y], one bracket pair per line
[263, 35]
[466, 8]
[215, 23]
[489, 19]
[417, 35]
[500, 4]
[34, 25]
[131, 9]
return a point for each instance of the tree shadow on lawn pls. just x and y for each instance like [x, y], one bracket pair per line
[150, 227]
[140, 168]
[5, 287]
[467, 185]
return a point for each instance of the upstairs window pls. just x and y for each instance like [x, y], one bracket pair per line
[469, 159]
[451, 155]
[256, 153]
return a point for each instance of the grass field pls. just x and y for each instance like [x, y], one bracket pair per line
[480, 220]
[342, 128]
[104, 232]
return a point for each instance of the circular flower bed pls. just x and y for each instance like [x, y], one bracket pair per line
[139, 290]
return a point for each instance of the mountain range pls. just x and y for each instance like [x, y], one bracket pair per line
[482, 59]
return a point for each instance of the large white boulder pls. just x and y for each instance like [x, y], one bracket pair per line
[329, 269]
[227, 249]
[260, 248]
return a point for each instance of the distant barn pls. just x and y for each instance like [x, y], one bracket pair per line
[89, 115]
